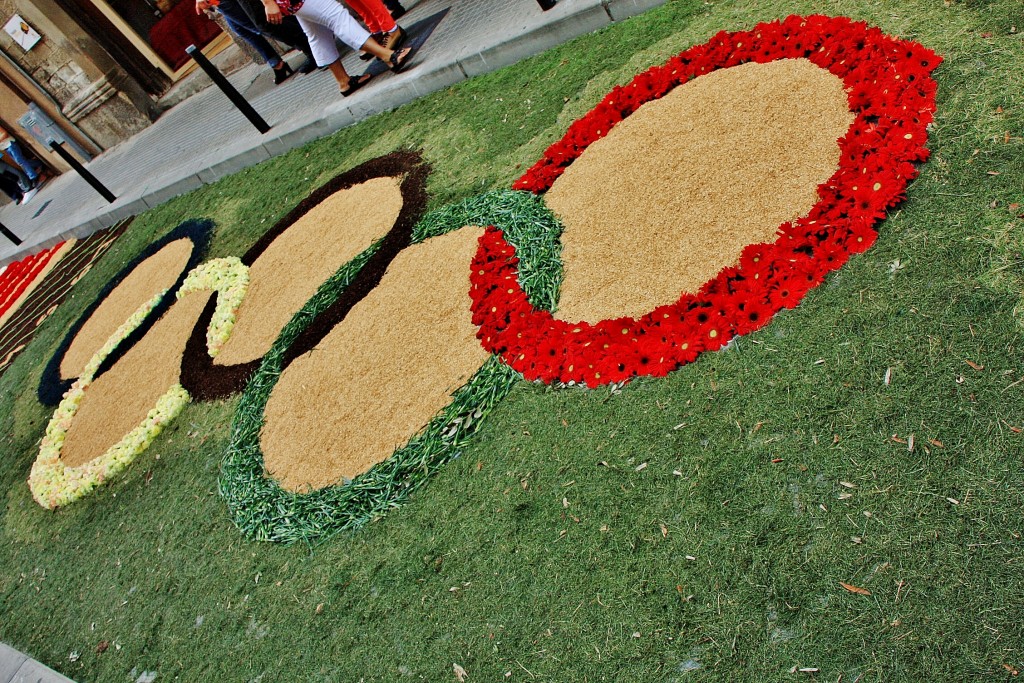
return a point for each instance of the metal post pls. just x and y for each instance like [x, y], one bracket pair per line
[546, 4]
[89, 177]
[236, 97]
[10, 235]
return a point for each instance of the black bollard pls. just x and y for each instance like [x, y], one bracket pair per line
[546, 4]
[9, 235]
[236, 97]
[89, 177]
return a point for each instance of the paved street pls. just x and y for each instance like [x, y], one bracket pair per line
[205, 138]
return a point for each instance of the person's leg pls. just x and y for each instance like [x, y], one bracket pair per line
[290, 33]
[330, 15]
[323, 20]
[24, 181]
[10, 184]
[321, 39]
[31, 167]
[319, 20]
[374, 14]
[239, 23]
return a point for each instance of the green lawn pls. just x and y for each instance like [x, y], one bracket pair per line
[546, 552]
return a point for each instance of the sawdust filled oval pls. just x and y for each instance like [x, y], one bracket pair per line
[291, 268]
[639, 307]
[381, 374]
[374, 203]
[155, 274]
[673, 193]
[162, 265]
[121, 398]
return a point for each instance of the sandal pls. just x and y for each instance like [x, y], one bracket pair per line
[282, 73]
[355, 83]
[400, 59]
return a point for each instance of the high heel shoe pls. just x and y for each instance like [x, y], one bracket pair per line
[282, 73]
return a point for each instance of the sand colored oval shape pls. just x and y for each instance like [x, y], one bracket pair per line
[295, 264]
[891, 94]
[674, 192]
[121, 398]
[381, 374]
[158, 272]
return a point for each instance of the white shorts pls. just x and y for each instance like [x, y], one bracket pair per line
[322, 20]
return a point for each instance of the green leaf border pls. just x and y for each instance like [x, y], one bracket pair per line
[264, 511]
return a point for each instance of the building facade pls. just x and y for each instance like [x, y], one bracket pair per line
[92, 70]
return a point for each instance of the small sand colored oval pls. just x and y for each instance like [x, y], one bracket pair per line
[295, 264]
[159, 271]
[674, 192]
[119, 400]
[380, 376]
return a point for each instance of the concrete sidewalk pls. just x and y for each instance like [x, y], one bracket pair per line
[18, 668]
[205, 138]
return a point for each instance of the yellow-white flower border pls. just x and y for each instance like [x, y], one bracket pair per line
[229, 277]
[52, 483]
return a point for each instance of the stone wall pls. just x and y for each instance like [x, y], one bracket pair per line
[92, 90]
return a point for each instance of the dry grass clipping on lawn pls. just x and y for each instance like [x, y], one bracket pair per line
[675, 191]
[381, 374]
[159, 271]
[121, 397]
[289, 272]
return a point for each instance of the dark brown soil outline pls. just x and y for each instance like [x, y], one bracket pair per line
[205, 381]
[51, 292]
[52, 385]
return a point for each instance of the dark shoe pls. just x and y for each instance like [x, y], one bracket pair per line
[283, 73]
[308, 66]
[355, 83]
[393, 40]
[377, 38]
[395, 8]
[401, 58]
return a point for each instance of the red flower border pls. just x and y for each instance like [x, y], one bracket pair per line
[20, 274]
[890, 89]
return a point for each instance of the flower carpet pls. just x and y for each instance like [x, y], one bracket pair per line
[37, 284]
[888, 89]
[569, 384]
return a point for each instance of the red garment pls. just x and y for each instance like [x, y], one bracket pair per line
[375, 15]
[289, 7]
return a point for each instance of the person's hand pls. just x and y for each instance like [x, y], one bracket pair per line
[274, 15]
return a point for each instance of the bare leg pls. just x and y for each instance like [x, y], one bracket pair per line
[339, 73]
[385, 55]
[371, 46]
[374, 48]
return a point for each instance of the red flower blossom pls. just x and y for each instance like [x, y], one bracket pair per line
[890, 90]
